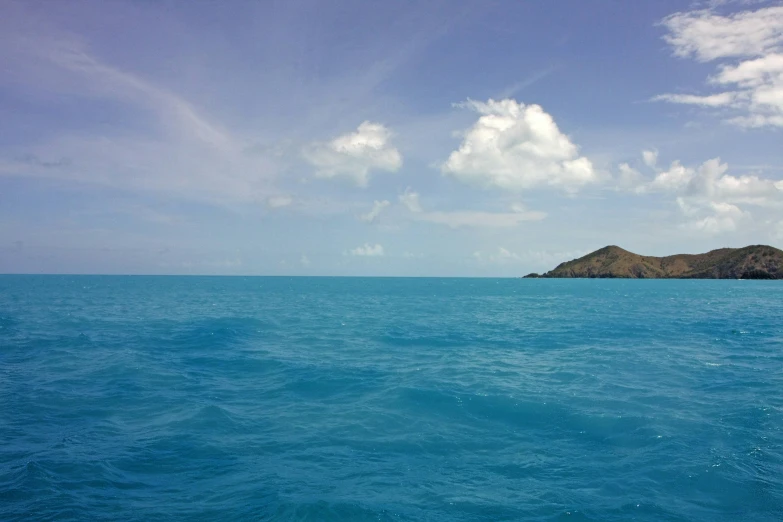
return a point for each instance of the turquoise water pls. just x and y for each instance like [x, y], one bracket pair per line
[186, 398]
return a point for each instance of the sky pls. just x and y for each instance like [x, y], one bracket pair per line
[364, 138]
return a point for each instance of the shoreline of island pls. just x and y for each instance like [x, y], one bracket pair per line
[613, 262]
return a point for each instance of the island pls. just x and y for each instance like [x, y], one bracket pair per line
[751, 262]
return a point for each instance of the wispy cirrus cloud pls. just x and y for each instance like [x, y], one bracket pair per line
[177, 149]
[748, 47]
[538, 258]
[480, 219]
[468, 218]
[279, 201]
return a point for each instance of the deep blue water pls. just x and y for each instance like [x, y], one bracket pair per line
[187, 398]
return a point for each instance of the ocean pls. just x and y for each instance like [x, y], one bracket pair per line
[254, 398]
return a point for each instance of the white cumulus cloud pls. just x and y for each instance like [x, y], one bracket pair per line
[676, 178]
[279, 201]
[650, 158]
[373, 214]
[749, 46]
[708, 196]
[355, 155]
[367, 250]
[630, 178]
[722, 217]
[501, 256]
[410, 200]
[514, 146]
[710, 181]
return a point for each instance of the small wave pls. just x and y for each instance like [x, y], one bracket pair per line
[331, 399]
[322, 510]
[217, 333]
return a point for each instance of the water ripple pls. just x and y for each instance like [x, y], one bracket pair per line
[135, 398]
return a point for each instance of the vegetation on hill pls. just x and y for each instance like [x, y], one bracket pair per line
[751, 262]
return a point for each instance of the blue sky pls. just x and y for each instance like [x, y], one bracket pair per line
[384, 138]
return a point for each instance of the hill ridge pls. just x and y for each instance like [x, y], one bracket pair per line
[611, 261]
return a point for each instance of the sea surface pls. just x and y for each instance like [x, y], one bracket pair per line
[233, 398]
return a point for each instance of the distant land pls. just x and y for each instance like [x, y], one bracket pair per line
[750, 262]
